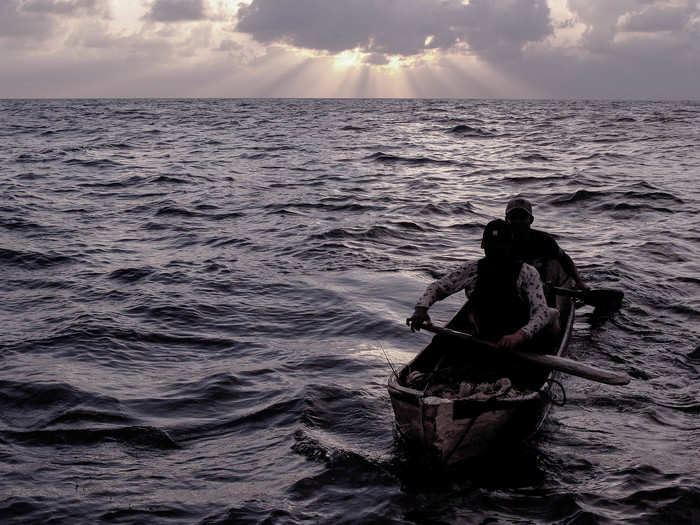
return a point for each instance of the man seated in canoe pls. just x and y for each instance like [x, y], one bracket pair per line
[506, 304]
[539, 249]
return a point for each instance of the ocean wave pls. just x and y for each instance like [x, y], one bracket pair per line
[253, 156]
[209, 397]
[51, 132]
[281, 413]
[524, 179]
[653, 196]
[577, 196]
[31, 176]
[116, 145]
[29, 158]
[34, 260]
[627, 206]
[184, 212]
[374, 234]
[606, 155]
[168, 179]
[93, 163]
[664, 251]
[94, 338]
[466, 226]
[85, 416]
[18, 223]
[386, 158]
[535, 157]
[257, 511]
[34, 406]
[311, 446]
[217, 387]
[220, 242]
[134, 436]
[117, 183]
[447, 209]
[131, 275]
[329, 205]
[464, 130]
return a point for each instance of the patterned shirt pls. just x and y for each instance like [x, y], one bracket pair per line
[464, 278]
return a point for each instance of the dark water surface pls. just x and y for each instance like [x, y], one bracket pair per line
[196, 294]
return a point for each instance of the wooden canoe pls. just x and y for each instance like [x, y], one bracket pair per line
[446, 430]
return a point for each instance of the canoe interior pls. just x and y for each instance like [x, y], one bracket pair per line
[481, 365]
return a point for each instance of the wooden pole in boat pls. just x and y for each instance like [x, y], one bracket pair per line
[562, 364]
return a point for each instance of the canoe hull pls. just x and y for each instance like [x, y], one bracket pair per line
[450, 431]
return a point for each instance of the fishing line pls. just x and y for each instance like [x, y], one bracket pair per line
[387, 360]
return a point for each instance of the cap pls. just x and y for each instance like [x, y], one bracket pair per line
[496, 231]
[519, 203]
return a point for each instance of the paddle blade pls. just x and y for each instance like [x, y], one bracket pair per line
[605, 299]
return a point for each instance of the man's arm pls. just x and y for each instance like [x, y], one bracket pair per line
[461, 278]
[569, 267]
[458, 279]
[566, 262]
[530, 286]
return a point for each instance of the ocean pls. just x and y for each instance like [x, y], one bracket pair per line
[197, 296]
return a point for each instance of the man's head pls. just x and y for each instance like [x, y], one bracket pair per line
[497, 240]
[519, 215]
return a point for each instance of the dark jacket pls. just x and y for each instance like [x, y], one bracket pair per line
[496, 301]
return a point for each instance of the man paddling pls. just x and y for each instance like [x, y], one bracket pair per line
[507, 303]
[539, 249]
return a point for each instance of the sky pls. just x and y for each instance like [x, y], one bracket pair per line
[542, 49]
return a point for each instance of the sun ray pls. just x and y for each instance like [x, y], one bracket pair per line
[347, 59]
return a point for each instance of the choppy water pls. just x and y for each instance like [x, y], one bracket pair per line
[196, 294]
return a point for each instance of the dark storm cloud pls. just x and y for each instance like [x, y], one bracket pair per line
[176, 11]
[398, 27]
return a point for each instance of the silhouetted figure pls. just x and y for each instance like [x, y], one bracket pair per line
[506, 299]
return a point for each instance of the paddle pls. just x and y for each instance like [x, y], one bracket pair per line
[568, 366]
[603, 298]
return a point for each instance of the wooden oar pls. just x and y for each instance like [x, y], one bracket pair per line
[603, 298]
[568, 366]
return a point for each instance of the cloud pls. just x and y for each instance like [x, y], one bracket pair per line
[502, 28]
[228, 45]
[601, 20]
[176, 11]
[657, 18]
[397, 27]
[610, 26]
[377, 59]
[16, 23]
[430, 48]
[627, 49]
[67, 7]
[40, 19]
